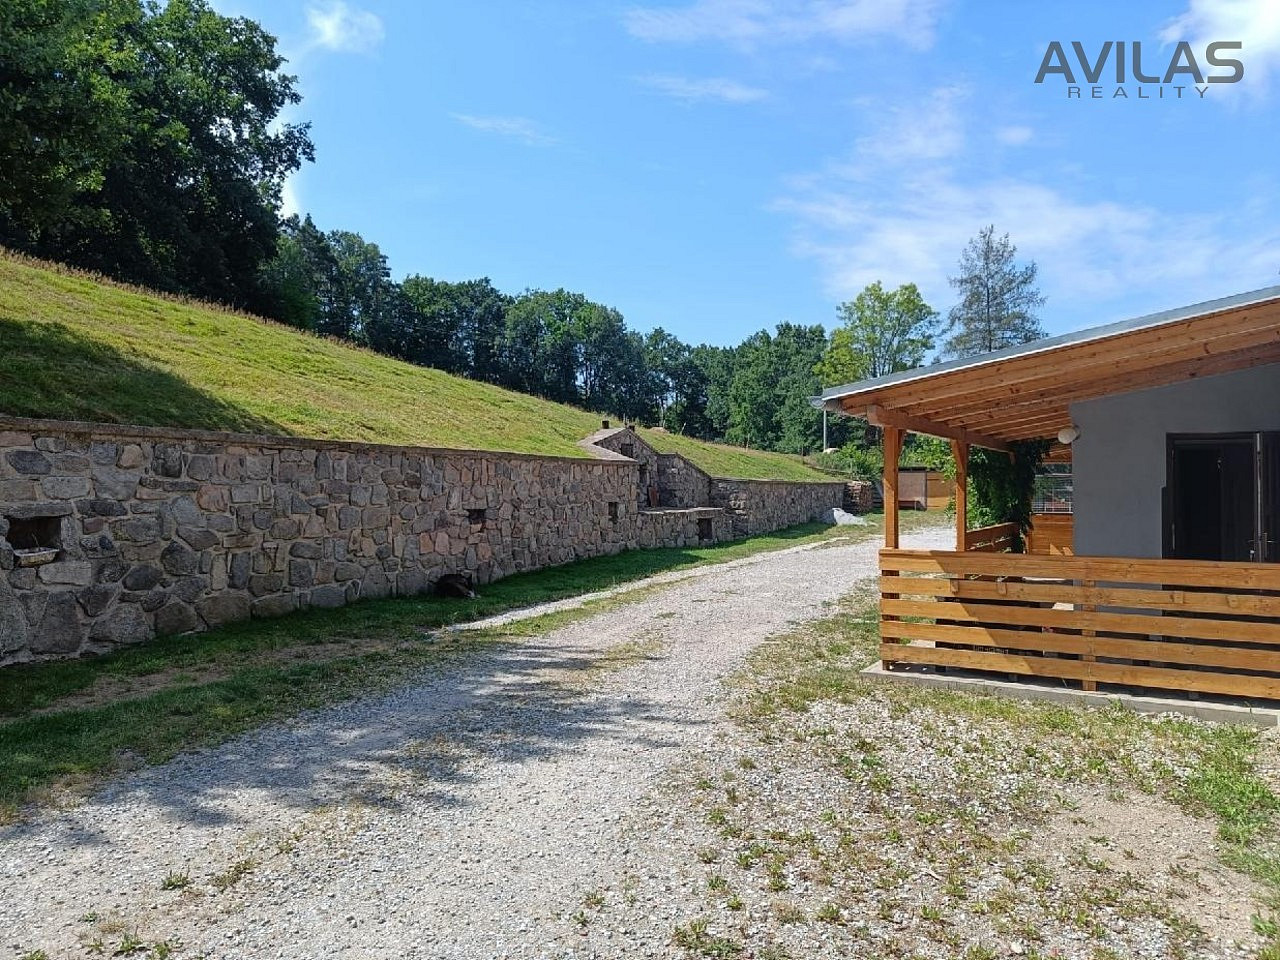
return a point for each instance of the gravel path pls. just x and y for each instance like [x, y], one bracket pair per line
[467, 816]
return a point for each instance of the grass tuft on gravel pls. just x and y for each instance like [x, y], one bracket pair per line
[1210, 771]
[65, 724]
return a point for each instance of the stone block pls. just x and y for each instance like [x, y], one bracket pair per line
[94, 600]
[213, 499]
[14, 635]
[224, 608]
[166, 460]
[198, 539]
[179, 560]
[201, 466]
[104, 452]
[306, 551]
[65, 488]
[143, 577]
[58, 629]
[189, 589]
[302, 573]
[328, 597]
[139, 529]
[261, 584]
[347, 571]
[275, 606]
[127, 623]
[131, 457]
[285, 529]
[176, 617]
[67, 572]
[17, 490]
[29, 462]
[238, 570]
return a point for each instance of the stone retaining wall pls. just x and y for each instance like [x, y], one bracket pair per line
[111, 535]
[760, 506]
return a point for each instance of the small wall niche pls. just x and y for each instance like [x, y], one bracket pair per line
[35, 540]
[476, 516]
[613, 511]
[704, 529]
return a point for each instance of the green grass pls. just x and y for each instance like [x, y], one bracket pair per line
[77, 348]
[67, 722]
[1210, 770]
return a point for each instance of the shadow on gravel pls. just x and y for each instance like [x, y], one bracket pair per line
[505, 704]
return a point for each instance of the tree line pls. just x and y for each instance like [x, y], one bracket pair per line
[143, 141]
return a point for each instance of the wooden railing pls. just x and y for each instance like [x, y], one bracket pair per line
[1051, 533]
[1162, 624]
[996, 539]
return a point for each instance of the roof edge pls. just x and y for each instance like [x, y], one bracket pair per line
[1147, 321]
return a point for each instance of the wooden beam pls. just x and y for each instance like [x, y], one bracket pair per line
[880, 417]
[960, 451]
[892, 454]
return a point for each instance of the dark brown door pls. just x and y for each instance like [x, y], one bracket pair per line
[1269, 497]
[1215, 507]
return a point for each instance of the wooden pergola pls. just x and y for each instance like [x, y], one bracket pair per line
[1126, 622]
[1026, 392]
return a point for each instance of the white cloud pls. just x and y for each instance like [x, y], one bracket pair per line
[710, 88]
[342, 28]
[749, 23]
[289, 201]
[1014, 136]
[903, 212]
[1255, 23]
[515, 128]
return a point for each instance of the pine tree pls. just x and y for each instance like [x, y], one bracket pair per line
[998, 298]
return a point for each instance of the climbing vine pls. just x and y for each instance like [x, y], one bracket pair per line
[1001, 486]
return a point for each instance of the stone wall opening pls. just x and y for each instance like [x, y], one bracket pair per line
[35, 540]
[613, 511]
[704, 529]
[476, 517]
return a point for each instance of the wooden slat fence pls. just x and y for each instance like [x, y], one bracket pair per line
[1161, 624]
[996, 539]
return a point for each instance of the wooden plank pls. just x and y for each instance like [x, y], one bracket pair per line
[1236, 631]
[892, 453]
[882, 417]
[1176, 601]
[1000, 536]
[1158, 651]
[1088, 685]
[960, 453]
[1090, 381]
[1190, 573]
[1228, 684]
[1051, 533]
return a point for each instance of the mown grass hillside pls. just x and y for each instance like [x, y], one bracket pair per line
[75, 348]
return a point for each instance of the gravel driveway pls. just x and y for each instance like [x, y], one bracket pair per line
[466, 816]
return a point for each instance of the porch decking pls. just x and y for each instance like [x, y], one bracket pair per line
[1156, 624]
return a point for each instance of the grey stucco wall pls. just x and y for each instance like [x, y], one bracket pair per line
[1119, 459]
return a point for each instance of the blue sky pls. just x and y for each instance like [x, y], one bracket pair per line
[717, 166]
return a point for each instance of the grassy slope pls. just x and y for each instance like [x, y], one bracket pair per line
[75, 348]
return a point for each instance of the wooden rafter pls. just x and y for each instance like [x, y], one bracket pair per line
[880, 417]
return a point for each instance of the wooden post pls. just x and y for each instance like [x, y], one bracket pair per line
[892, 454]
[960, 451]
[1088, 685]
